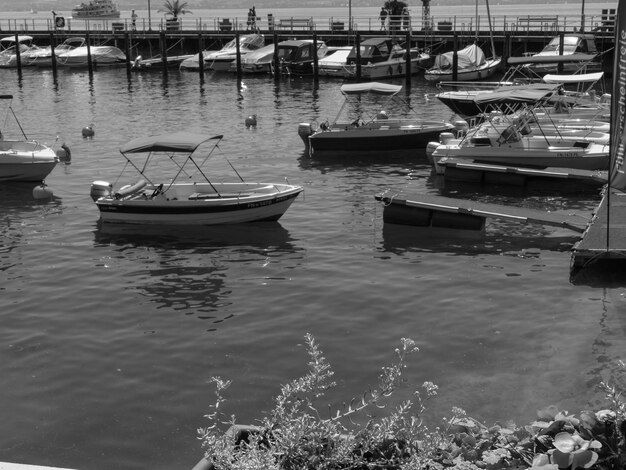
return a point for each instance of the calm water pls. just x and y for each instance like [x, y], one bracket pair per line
[109, 337]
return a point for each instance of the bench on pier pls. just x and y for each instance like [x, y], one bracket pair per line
[291, 23]
[544, 22]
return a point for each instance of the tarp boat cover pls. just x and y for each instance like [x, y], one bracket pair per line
[471, 56]
[515, 94]
[370, 87]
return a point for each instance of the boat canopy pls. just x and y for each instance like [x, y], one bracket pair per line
[370, 87]
[471, 56]
[11, 39]
[174, 142]
[551, 59]
[516, 94]
[574, 78]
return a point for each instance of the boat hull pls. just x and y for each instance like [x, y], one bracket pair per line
[198, 211]
[476, 73]
[25, 161]
[364, 139]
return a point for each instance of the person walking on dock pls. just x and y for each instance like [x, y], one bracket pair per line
[133, 20]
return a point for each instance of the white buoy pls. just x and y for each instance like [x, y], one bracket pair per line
[251, 121]
[42, 192]
[88, 131]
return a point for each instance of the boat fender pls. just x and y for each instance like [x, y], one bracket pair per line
[88, 131]
[390, 70]
[42, 191]
[130, 190]
[400, 69]
[251, 121]
[64, 155]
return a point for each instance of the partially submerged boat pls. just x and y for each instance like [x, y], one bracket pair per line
[197, 200]
[355, 130]
[379, 58]
[24, 159]
[220, 61]
[472, 64]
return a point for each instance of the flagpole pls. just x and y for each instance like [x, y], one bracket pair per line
[349, 16]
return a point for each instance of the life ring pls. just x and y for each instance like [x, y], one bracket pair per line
[59, 22]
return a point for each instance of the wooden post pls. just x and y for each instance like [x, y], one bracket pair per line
[238, 56]
[163, 51]
[89, 63]
[53, 56]
[315, 59]
[275, 59]
[18, 55]
[455, 58]
[200, 55]
[559, 66]
[357, 45]
[408, 61]
[127, 52]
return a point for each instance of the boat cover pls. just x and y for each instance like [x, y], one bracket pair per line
[174, 142]
[516, 94]
[574, 78]
[551, 59]
[469, 57]
[19, 38]
[370, 87]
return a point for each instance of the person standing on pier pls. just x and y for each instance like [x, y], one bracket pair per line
[133, 20]
[383, 19]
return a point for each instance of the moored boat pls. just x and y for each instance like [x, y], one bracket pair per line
[472, 64]
[355, 130]
[196, 202]
[9, 47]
[220, 61]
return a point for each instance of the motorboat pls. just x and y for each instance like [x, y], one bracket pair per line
[296, 57]
[9, 47]
[521, 141]
[157, 62]
[357, 130]
[220, 61]
[101, 56]
[472, 65]
[195, 201]
[42, 57]
[579, 48]
[334, 62]
[259, 61]
[96, 9]
[380, 58]
[23, 159]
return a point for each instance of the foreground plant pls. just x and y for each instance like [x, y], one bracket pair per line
[296, 434]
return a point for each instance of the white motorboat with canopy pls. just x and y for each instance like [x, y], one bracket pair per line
[202, 202]
[361, 129]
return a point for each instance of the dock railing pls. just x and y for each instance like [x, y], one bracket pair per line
[462, 24]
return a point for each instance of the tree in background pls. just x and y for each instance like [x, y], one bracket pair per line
[175, 8]
[394, 9]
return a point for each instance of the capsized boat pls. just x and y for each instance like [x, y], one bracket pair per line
[24, 159]
[356, 130]
[472, 65]
[379, 57]
[197, 200]
[220, 61]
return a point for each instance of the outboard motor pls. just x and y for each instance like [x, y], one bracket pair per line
[461, 127]
[305, 129]
[430, 148]
[100, 189]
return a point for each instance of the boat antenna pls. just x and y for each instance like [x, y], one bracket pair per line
[18, 121]
[493, 47]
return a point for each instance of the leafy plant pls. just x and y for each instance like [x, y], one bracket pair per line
[175, 8]
[297, 435]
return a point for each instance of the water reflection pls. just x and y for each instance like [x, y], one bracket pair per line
[193, 270]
